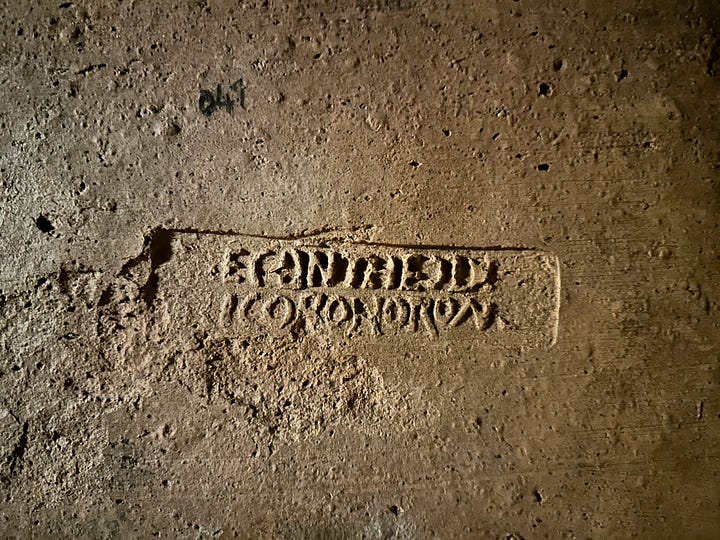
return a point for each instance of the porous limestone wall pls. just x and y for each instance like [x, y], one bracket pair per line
[359, 269]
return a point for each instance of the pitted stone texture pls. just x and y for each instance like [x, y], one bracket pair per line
[563, 138]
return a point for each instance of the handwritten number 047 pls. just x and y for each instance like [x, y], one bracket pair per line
[211, 101]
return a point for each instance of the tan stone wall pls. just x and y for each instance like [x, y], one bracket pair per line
[359, 269]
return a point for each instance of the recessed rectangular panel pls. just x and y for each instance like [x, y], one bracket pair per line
[241, 285]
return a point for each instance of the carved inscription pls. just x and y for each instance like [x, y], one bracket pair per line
[367, 288]
[274, 286]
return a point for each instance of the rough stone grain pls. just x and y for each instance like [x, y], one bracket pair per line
[561, 157]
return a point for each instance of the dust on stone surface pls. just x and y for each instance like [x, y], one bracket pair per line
[586, 133]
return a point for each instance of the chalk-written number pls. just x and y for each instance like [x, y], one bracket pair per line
[211, 101]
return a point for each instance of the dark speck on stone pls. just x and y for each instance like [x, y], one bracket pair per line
[44, 224]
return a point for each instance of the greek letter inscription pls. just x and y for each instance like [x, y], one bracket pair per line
[274, 286]
[376, 290]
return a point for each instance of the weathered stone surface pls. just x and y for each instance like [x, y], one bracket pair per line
[359, 269]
